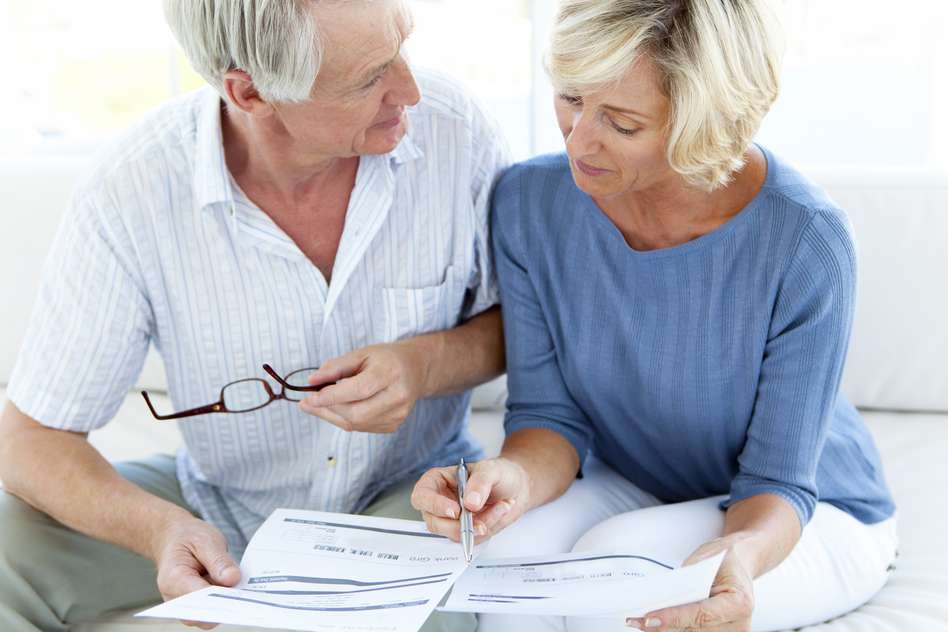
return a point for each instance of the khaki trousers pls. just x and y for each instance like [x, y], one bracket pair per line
[52, 578]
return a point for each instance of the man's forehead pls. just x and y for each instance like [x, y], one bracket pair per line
[359, 36]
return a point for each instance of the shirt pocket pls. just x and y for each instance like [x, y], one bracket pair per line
[414, 311]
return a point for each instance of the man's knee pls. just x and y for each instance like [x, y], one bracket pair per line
[19, 547]
[18, 530]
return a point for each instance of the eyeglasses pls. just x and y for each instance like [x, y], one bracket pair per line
[244, 396]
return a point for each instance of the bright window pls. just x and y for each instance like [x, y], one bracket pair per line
[863, 80]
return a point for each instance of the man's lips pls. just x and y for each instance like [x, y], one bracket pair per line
[389, 123]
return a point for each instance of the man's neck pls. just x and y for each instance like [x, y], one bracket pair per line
[269, 163]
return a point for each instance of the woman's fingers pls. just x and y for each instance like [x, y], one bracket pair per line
[494, 515]
[435, 493]
[485, 476]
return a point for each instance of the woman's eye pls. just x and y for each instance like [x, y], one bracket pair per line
[572, 100]
[372, 83]
[625, 131]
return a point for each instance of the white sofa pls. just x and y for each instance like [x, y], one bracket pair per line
[897, 371]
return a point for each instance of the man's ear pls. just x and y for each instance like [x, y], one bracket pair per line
[242, 94]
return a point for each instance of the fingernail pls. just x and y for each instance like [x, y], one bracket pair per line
[503, 509]
[632, 622]
[653, 623]
[473, 498]
[480, 529]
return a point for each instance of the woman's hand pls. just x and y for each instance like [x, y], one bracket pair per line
[497, 495]
[728, 609]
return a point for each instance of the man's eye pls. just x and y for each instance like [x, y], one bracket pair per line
[372, 83]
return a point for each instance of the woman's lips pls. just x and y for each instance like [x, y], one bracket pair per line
[589, 170]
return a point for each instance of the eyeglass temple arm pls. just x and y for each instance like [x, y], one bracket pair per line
[201, 410]
[285, 384]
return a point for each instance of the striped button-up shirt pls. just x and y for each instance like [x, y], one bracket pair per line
[159, 246]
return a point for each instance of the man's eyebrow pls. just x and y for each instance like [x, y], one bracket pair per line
[377, 70]
[371, 74]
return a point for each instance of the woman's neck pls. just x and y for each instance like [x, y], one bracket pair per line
[671, 213]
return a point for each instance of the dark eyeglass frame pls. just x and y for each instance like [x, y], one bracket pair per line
[221, 407]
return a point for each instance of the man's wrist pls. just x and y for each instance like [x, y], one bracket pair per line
[167, 521]
[424, 354]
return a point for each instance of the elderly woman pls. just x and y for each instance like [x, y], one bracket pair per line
[677, 304]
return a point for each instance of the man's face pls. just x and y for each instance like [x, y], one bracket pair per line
[364, 84]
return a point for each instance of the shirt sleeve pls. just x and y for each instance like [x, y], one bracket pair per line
[538, 394]
[490, 157]
[802, 368]
[89, 331]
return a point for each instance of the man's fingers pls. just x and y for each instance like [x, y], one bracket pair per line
[347, 391]
[330, 415]
[338, 368]
[220, 566]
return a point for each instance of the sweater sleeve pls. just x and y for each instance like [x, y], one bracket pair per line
[802, 367]
[538, 395]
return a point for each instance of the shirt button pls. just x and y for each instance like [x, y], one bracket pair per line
[331, 461]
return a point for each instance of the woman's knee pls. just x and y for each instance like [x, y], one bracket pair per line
[667, 532]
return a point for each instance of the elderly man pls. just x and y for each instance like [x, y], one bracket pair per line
[315, 209]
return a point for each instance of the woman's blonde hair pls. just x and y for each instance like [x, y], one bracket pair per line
[719, 61]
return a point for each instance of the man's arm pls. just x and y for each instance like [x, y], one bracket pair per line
[61, 474]
[463, 357]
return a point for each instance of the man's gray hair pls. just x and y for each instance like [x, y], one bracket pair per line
[276, 42]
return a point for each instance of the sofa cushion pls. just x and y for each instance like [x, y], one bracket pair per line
[897, 358]
[912, 447]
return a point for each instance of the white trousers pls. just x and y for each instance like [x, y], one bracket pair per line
[838, 564]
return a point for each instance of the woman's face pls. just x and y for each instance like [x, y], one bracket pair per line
[615, 137]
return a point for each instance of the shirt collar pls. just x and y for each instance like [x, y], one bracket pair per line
[212, 179]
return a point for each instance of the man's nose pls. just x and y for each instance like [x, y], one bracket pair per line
[404, 91]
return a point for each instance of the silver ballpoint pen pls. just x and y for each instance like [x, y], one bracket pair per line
[467, 521]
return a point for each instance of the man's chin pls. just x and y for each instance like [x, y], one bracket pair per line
[383, 143]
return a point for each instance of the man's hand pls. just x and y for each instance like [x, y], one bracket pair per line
[497, 494]
[190, 555]
[728, 609]
[375, 388]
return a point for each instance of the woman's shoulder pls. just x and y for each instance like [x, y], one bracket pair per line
[532, 188]
[813, 222]
[785, 183]
[535, 173]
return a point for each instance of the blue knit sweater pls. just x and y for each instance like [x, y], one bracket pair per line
[708, 368]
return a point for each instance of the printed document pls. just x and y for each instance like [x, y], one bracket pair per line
[580, 584]
[325, 572]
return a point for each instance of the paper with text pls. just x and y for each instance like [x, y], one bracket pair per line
[325, 572]
[580, 584]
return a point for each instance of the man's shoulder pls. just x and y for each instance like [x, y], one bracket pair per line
[162, 137]
[443, 96]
